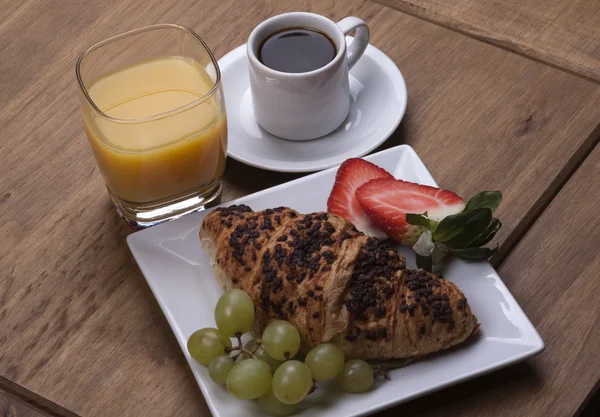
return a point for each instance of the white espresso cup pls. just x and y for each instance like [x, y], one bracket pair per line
[306, 105]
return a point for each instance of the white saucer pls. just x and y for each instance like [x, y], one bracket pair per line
[379, 100]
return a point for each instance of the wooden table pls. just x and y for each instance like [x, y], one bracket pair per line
[560, 33]
[80, 332]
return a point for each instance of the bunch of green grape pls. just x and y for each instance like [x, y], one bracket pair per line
[265, 369]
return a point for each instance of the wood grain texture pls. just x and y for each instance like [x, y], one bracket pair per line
[553, 274]
[561, 33]
[10, 407]
[79, 325]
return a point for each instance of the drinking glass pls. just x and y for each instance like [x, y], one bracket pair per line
[153, 110]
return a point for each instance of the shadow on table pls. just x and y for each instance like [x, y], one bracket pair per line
[591, 405]
[241, 179]
[488, 391]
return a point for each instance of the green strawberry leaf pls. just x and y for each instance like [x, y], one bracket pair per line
[439, 252]
[424, 262]
[461, 235]
[485, 199]
[477, 222]
[421, 220]
[487, 235]
[474, 254]
[455, 224]
[450, 226]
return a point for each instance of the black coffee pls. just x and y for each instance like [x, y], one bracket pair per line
[296, 50]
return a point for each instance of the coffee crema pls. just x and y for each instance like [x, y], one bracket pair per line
[296, 50]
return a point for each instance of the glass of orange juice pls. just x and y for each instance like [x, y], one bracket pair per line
[153, 110]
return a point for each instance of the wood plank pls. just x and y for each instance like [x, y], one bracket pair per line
[561, 33]
[83, 329]
[553, 274]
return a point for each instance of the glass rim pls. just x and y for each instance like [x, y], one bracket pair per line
[157, 116]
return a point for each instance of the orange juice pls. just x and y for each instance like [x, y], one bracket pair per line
[157, 142]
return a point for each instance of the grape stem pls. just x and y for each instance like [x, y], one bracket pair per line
[379, 370]
[313, 388]
[258, 345]
[232, 349]
[238, 336]
[241, 349]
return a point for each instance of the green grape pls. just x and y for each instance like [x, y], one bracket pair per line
[276, 408]
[325, 361]
[281, 340]
[357, 376]
[234, 313]
[249, 379]
[261, 354]
[206, 344]
[219, 368]
[292, 382]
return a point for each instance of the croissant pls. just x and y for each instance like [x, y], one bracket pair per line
[333, 283]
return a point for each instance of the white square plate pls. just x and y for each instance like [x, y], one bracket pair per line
[181, 278]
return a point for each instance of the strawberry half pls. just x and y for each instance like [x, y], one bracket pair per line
[386, 202]
[342, 201]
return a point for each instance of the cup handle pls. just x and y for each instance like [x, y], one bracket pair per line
[361, 39]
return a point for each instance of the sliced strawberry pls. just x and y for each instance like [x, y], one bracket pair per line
[386, 202]
[342, 201]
